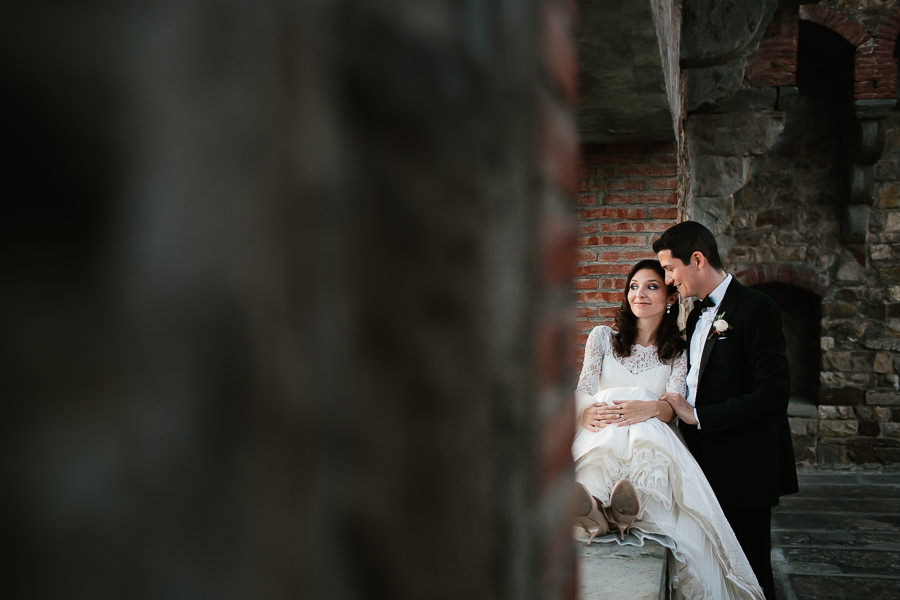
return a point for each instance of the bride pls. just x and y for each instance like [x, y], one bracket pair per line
[636, 472]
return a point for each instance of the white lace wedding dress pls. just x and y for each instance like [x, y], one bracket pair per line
[678, 507]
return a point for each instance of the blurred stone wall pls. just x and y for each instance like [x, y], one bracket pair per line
[287, 300]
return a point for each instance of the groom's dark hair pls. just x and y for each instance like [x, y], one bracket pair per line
[688, 237]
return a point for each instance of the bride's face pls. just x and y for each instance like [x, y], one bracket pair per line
[647, 294]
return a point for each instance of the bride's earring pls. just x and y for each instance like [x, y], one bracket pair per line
[668, 308]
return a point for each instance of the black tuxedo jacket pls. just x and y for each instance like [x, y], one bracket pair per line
[744, 443]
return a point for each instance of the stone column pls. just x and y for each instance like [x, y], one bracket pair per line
[275, 301]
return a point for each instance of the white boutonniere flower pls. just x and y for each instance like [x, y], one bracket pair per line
[719, 326]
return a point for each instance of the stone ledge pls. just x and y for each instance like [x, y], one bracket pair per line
[609, 571]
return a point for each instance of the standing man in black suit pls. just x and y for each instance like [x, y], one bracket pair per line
[734, 419]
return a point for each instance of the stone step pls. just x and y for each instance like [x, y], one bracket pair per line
[851, 540]
[838, 503]
[843, 561]
[839, 537]
[813, 521]
[820, 587]
[832, 490]
[608, 571]
[848, 478]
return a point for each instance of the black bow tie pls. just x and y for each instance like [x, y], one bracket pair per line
[705, 303]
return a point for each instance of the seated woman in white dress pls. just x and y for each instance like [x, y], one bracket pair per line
[637, 474]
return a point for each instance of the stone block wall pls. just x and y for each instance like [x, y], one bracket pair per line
[797, 175]
[879, 418]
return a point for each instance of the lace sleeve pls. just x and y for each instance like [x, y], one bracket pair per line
[676, 383]
[594, 349]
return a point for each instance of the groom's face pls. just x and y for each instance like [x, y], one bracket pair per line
[680, 275]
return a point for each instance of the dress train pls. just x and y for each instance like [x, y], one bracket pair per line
[677, 506]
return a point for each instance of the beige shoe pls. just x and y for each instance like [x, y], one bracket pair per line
[623, 506]
[594, 517]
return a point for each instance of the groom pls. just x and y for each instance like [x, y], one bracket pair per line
[734, 418]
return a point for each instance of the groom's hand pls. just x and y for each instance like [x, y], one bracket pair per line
[681, 407]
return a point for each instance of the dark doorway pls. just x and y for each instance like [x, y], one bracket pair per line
[801, 315]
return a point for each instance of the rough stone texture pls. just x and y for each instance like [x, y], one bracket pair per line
[750, 99]
[735, 134]
[861, 179]
[884, 362]
[837, 428]
[802, 407]
[802, 426]
[891, 430]
[712, 212]
[887, 196]
[835, 412]
[855, 223]
[708, 86]
[632, 96]
[721, 146]
[805, 452]
[883, 398]
[667, 18]
[847, 361]
[719, 176]
[841, 395]
[716, 31]
[882, 414]
[608, 571]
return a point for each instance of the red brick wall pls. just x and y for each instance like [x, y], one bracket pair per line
[875, 69]
[775, 61]
[627, 195]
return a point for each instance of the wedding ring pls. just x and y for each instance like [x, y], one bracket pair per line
[621, 417]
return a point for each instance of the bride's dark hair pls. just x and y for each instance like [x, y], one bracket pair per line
[669, 343]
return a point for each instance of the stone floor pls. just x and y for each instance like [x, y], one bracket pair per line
[839, 537]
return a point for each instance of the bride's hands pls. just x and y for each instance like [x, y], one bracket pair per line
[634, 411]
[625, 412]
[598, 415]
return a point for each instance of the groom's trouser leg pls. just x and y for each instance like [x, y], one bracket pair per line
[753, 530]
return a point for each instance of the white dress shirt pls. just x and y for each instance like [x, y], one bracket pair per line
[698, 341]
